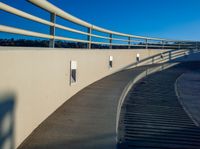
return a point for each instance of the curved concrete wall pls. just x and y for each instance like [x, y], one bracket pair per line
[39, 77]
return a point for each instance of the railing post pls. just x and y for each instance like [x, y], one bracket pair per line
[196, 46]
[163, 44]
[52, 30]
[179, 46]
[111, 36]
[89, 38]
[146, 43]
[129, 42]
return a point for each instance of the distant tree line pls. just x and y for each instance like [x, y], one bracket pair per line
[45, 43]
[66, 44]
[38, 43]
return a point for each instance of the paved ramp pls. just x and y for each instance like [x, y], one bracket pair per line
[153, 118]
[188, 88]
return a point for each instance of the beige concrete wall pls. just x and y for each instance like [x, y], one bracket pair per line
[39, 77]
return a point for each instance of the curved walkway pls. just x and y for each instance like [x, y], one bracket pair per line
[188, 88]
[152, 116]
[87, 120]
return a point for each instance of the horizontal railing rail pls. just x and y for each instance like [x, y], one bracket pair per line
[131, 41]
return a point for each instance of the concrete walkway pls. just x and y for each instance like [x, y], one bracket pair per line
[87, 120]
[152, 116]
[188, 87]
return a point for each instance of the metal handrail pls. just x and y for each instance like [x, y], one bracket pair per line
[44, 4]
[55, 11]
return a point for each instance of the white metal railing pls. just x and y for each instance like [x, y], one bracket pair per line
[131, 41]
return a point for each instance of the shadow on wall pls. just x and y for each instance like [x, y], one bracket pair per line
[168, 56]
[190, 55]
[7, 104]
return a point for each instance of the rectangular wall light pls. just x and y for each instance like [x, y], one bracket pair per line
[73, 72]
[137, 57]
[110, 61]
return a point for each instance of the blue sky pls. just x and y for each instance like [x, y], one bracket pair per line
[173, 19]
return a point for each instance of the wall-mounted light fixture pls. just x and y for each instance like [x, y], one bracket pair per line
[110, 61]
[137, 57]
[73, 72]
[161, 55]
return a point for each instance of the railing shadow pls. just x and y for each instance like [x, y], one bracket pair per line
[168, 56]
[7, 105]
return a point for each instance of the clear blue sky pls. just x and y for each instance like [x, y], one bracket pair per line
[174, 19]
